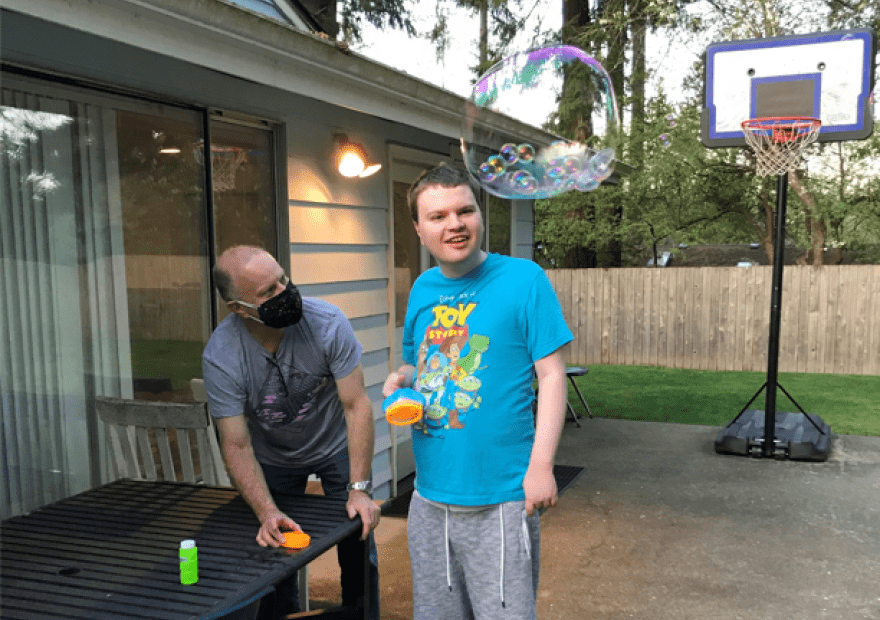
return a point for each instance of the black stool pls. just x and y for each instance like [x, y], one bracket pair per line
[571, 373]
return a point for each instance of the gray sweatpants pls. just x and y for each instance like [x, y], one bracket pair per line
[461, 570]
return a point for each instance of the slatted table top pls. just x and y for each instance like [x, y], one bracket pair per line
[112, 552]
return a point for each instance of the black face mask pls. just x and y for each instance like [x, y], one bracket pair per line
[283, 310]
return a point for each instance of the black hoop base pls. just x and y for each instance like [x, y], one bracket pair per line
[796, 436]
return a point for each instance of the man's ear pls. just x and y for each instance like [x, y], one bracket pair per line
[236, 308]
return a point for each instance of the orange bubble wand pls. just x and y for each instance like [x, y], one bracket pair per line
[403, 407]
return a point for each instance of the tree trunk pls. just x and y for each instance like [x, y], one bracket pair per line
[484, 35]
[638, 78]
[817, 227]
[769, 225]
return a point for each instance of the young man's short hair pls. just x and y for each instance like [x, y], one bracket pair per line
[443, 175]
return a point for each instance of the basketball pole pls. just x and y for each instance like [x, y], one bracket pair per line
[775, 317]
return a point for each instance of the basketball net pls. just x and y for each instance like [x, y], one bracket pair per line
[225, 161]
[778, 143]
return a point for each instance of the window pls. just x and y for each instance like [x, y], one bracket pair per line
[498, 226]
[106, 253]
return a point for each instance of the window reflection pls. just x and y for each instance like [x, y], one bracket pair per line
[499, 224]
[407, 250]
[244, 190]
[163, 221]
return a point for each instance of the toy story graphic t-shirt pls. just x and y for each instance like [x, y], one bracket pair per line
[474, 341]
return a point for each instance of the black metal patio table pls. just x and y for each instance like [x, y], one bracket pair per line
[112, 552]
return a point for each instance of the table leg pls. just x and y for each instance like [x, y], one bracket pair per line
[367, 588]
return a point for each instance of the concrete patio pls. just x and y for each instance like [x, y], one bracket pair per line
[661, 527]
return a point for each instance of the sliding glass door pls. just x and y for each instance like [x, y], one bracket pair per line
[107, 236]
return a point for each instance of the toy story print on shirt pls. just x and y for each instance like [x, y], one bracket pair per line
[449, 361]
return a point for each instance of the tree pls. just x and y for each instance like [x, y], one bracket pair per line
[499, 22]
[353, 14]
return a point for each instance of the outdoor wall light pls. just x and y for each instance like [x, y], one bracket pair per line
[352, 159]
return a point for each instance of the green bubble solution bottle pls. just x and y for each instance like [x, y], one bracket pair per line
[189, 562]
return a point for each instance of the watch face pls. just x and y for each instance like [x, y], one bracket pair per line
[361, 486]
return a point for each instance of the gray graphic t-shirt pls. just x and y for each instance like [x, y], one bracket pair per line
[290, 399]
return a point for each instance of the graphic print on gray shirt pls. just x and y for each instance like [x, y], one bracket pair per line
[290, 400]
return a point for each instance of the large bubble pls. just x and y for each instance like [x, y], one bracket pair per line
[518, 99]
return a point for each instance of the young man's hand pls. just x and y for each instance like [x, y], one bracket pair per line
[540, 487]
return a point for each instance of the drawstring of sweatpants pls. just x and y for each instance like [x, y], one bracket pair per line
[501, 512]
[501, 576]
[448, 566]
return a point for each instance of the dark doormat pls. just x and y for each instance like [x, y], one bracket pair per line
[565, 475]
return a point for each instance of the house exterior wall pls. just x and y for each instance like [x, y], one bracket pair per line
[207, 55]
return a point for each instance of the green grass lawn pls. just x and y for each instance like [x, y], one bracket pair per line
[178, 360]
[849, 404]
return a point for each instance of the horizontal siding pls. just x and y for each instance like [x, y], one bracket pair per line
[339, 254]
[355, 299]
[338, 225]
[319, 264]
[375, 365]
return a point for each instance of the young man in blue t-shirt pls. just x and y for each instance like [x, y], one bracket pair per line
[477, 327]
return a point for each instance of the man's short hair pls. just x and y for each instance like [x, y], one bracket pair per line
[238, 254]
[443, 175]
[223, 282]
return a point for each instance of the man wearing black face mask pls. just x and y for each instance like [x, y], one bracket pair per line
[285, 384]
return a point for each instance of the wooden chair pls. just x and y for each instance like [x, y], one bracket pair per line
[131, 422]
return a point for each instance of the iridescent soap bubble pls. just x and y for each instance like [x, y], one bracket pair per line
[602, 164]
[665, 139]
[488, 172]
[526, 152]
[517, 98]
[492, 168]
[585, 183]
[670, 119]
[510, 153]
[573, 165]
[523, 182]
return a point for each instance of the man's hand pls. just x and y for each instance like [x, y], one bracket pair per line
[270, 531]
[359, 503]
[540, 487]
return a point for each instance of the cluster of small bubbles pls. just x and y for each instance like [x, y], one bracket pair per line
[492, 168]
[517, 87]
[549, 171]
[509, 153]
[670, 119]
[665, 139]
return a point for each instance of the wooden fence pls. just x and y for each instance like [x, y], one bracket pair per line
[718, 318]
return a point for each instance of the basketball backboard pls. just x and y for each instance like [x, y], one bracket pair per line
[825, 75]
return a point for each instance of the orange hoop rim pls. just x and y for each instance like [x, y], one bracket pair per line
[782, 128]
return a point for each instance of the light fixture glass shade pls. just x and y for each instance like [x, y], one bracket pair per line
[351, 159]
[350, 164]
[370, 170]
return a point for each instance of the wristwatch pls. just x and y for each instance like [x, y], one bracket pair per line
[364, 485]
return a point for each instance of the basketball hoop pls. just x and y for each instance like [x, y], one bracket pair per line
[778, 142]
[225, 161]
